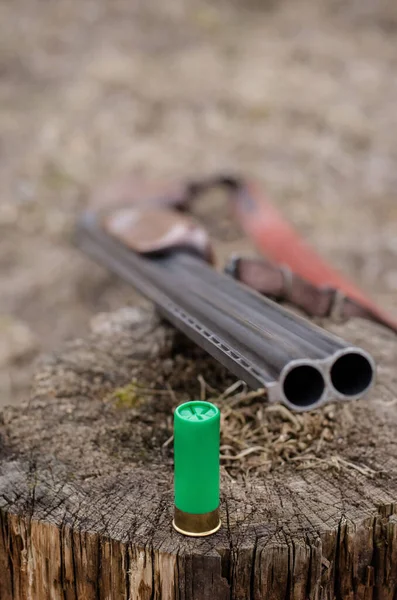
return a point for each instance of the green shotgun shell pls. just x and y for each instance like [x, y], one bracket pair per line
[196, 468]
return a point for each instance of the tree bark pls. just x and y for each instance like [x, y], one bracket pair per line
[86, 499]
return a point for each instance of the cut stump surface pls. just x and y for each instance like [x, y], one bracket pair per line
[86, 500]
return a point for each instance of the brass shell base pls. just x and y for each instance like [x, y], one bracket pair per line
[196, 525]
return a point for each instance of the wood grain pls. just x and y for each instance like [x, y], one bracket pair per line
[86, 488]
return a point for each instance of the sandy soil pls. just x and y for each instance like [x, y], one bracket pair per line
[299, 94]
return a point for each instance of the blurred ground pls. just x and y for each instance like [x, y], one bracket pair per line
[301, 94]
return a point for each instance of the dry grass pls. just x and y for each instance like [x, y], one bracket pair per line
[257, 438]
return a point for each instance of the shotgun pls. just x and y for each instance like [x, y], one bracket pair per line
[167, 257]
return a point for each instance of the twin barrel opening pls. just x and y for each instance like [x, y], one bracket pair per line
[350, 375]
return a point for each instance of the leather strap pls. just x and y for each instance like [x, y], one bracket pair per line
[314, 285]
[283, 285]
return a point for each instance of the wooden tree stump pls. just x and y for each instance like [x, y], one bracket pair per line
[86, 497]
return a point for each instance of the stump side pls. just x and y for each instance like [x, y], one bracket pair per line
[86, 495]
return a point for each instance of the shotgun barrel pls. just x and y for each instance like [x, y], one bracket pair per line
[261, 342]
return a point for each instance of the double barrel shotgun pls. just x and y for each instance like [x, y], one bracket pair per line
[167, 256]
